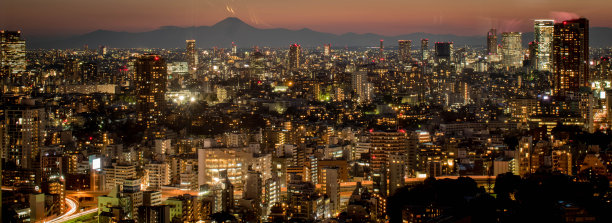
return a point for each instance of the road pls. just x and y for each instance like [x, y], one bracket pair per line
[73, 205]
[72, 213]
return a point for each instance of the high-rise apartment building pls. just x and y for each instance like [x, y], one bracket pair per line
[331, 187]
[543, 39]
[361, 86]
[150, 84]
[192, 56]
[404, 50]
[512, 55]
[12, 53]
[158, 174]
[294, 56]
[383, 146]
[570, 56]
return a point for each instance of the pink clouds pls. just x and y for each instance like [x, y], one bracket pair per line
[563, 16]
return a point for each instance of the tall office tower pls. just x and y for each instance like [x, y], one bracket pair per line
[151, 78]
[381, 53]
[361, 86]
[492, 42]
[424, 49]
[234, 49]
[12, 53]
[294, 56]
[24, 130]
[543, 38]
[327, 50]
[192, 56]
[444, 51]
[404, 50]
[512, 55]
[570, 56]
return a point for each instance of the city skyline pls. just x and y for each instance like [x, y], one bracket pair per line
[242, 122]
[75, 17]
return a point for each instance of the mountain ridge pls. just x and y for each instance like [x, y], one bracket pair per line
[232, 29]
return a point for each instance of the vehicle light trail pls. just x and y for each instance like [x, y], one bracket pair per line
[72, 208]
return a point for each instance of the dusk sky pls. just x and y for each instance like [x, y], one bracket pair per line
[388, 17]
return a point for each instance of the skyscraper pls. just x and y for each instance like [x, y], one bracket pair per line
[327, 50]
[24, 130]
[234, 49]
[12, 53]
[381, 53]
[404, 50]
[543, 39]
[192, 56]
[512, 55]
[151, 78]
[294, 56]
[492, 42]
[424, 49]
[444, 51]
[383, 146]
[570, 56]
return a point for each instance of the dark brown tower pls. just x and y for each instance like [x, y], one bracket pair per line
[151, 78]
[570, 56]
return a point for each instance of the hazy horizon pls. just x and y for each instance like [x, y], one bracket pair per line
[386, 17]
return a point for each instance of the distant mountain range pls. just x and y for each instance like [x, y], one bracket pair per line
[235, 30]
